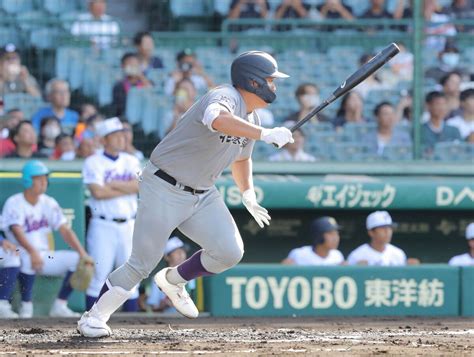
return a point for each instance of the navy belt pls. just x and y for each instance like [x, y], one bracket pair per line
[116, 220]
[171, 180]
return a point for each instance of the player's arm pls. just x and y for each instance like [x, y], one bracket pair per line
[71, 239]
[100, 192]
[242, 174]
[230, 124]
[36, 260]
[126, 187]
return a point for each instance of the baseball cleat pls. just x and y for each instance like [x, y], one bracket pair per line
[60, 309]
[89, 326]
[177, 294]
[26, 310]
[6, 311]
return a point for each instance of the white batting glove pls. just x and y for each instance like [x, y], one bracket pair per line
[259, 213]
[279, 136]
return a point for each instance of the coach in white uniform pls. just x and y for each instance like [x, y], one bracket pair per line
[379, 251]
[325, 238]
[177, 190]
[466, 259]
[111, 177]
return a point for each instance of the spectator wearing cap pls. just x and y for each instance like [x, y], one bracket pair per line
[387, 133]
[132, 77]
[448, 61]
[175, 253]
[293, 151]
[15, 78]
[325, 238]
[452, 89]
[100, 28]
[7, 124]
[464, 122]
[187, 66]
[50, 129]
[466, 259]
[435, 130]
[145, 46]
[379, 251]
[308, 97]
[26, 140]
[59, 96]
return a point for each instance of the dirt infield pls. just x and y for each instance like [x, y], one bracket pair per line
[238, 336]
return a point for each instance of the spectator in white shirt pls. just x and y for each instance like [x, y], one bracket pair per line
[466, 259]
[325, 236]
[293, 151]
[379, 251]
[97, 25]
[465, 120]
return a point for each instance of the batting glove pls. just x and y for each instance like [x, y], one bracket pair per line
[259, 213]
[279, 136]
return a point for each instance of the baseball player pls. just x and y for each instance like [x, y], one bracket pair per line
[9, 269]
[379, 251]
[325, 236]
[28, 220]
[111, 177]
[466, 259]
[177, 190]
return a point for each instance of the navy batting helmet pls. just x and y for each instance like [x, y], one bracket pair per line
[255, 66]
[320, 226]
[31, 169]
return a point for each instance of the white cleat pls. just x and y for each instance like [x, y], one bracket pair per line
[60, 309]
[177, 294]
[6, 311]
[89, 326]
[26, 310]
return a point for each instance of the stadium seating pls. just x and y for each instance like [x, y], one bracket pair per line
[28, 104]
[454, 151]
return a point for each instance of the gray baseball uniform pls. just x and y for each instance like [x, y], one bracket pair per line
[194, 155]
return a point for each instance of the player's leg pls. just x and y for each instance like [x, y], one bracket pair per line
[214, 229]
[61, 263]
[161, 209]
[102, 247]
[26, 280]
[124, 250]
[9, 270]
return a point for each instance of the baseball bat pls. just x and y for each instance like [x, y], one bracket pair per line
[353, 80]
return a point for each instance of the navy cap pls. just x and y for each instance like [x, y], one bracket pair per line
[323, 225]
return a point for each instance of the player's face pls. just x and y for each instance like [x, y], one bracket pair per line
[332, 239]
[40, 184]
[381, 234]
[115, 141]
[470, 243]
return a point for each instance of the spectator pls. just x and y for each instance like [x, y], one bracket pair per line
[292, 9]
[86, 148]
[350, 110]
[64, 148]
[59, 96]
[436, 24]
[86, 111]
[448, 61]
[96, 25]
[187, 66]
[372, 82]
[387, 133]
[452, 89]
[248, 9]
[15, 78]
[307, 96]
[376, 11]
[145, 46]
[404, 107]
[25, 139]
[50, 129]
[133, 77]
[379, 251]
[399, 68]
[464, 122]
[466, 259]
[461, 10]
[293, 151]
[7, 124]
[403, 10]
[89, 131]
[184, 97]
[324, 234]
[335, 9]
[435, 130]
[174, 254]
[29, 219]
[129, 148]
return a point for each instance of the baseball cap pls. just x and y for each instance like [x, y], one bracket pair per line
[470, 231]
[323, 225]
[379, 219]
[109, 126]
[173, 244]
[9, 48]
